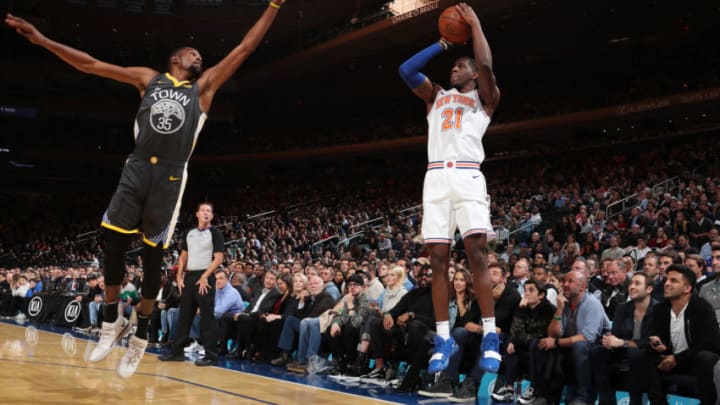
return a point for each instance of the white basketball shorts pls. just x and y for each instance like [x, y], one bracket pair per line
[455, 196]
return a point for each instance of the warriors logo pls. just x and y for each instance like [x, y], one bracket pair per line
[166, 116]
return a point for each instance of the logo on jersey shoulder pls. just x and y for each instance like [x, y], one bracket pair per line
[167, 114]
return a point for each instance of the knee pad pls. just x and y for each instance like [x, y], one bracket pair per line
[116, 244]
[152, 261]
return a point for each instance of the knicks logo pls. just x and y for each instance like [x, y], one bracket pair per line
[72, 311]
[35, 306]
[167, 116]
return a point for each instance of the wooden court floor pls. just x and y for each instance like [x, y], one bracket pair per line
[39, 367]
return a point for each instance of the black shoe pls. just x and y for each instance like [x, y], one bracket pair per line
[172, 357]
[441, 389]
[205, 362]
[281, 361]
[336, 368]
[410, 383]
[359, 366]
[466, 393]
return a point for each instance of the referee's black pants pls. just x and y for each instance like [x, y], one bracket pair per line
[190, 301]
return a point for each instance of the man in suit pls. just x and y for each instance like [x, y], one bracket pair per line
[628, 340]
[245, 323]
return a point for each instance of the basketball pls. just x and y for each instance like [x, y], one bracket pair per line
[453, 27]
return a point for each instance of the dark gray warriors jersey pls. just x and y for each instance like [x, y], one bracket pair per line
[169, 119]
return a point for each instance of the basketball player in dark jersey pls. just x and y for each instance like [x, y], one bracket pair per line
[147, 199]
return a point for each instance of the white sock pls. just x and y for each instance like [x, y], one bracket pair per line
[488, 325]
[443, 329]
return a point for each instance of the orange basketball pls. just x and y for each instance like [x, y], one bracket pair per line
[452, 26]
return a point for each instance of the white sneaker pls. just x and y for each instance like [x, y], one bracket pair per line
[131, 359]
[20, 316]
[194, 347]
[110, 334]
[201, 351]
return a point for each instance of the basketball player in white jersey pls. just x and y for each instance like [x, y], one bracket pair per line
[455, 193]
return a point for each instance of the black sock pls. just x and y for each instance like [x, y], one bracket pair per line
[110, 312]
[143, 323]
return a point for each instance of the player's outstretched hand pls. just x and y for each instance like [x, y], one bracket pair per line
[468, 14]
[24, 28]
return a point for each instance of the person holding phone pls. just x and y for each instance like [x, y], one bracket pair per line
[684, 338]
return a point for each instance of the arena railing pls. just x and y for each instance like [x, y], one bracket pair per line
[665, 186]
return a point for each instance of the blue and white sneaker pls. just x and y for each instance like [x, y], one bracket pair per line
[490, 348]
[444, 348]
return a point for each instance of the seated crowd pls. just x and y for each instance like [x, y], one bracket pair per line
[296, 315]
[572, 287]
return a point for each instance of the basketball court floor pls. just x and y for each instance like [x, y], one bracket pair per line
[42, 364]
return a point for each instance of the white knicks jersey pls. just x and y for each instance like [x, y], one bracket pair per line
[456, 125]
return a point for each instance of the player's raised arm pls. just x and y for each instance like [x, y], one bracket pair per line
[416, 81]
[136, 76]
[488, 88]
[217, 75]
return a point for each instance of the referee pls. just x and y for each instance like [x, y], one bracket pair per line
[202, 254]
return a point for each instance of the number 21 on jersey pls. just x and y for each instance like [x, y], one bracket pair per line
[452, 118]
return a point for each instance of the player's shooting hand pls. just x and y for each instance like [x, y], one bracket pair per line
[24, 28]
[468, 14]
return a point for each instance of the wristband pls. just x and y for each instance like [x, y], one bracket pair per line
[274, 5]
[557, 318]
[445, 44]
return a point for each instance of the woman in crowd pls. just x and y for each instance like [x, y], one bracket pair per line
[270, 326]
[660, 239]
[250, 340]
[590, 246]
[372, 336]
[339, 280]
[466, 330]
